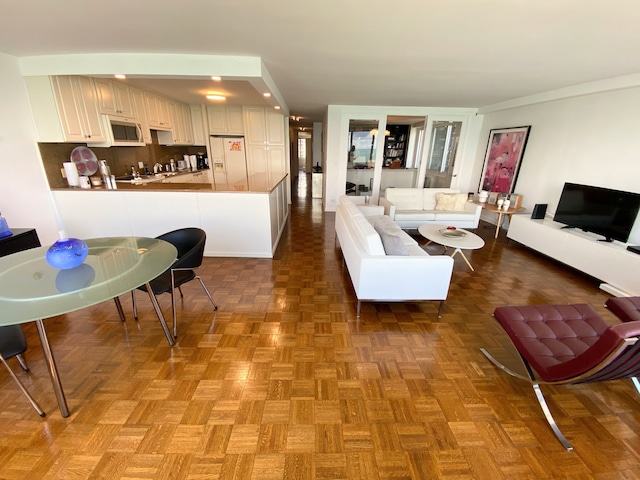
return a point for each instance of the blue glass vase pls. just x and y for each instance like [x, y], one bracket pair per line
[67, 253]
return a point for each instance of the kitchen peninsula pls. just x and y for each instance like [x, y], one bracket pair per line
[241, 201]
[238, 223]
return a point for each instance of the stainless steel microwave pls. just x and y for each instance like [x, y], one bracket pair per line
[122, 132]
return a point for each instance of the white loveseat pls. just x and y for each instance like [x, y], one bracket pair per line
[412, 207]
[377, 276]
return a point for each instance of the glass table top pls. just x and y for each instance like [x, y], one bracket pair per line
[31, 289]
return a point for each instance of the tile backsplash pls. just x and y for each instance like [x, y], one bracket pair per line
[118, 158]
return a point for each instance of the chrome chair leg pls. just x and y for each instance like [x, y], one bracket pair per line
[550, 420]
[34, 404]
[173, 299]
[206, 290]
[22, 362]
[636, 383]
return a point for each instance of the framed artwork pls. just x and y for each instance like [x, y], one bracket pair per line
[503, 158]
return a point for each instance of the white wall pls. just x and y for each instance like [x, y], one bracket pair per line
[591, 139]
[24, 193]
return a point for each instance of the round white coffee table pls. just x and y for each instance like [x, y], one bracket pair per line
[466, 240]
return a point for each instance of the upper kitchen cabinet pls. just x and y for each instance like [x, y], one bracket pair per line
[225, 120]
[65, 109]
[264, 125]
[181, 132]
[158, 112]
[198, 122]
[115, 99]
[141, 113]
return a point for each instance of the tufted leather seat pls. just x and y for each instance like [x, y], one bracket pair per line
[561, 342]
[626, 309]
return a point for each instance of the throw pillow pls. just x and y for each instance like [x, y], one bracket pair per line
[392, 244]
[453, 202]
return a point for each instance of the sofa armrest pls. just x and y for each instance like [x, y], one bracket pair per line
[389, 208]
[476, 209]
[369, 210]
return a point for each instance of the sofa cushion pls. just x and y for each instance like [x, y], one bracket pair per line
[414, 215]
[416, 251]
[392, 243]
[429, 194]
[450, 216]
[453, 202]
[405, 198]
[389, 226]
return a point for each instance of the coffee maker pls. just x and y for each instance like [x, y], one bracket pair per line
[202, 161]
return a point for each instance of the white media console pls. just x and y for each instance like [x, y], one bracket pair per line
[612, 263]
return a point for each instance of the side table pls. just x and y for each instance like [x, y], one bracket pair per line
[501, 213]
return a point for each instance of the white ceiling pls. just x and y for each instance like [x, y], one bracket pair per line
[459, 53]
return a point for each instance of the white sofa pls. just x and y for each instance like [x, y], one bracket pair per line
[378, 276]
[412, 207]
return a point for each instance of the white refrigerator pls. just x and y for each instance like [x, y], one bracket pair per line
[229, 162]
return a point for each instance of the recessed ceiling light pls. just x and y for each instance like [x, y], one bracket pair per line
[120, 76]
[216, 78]
[216, 97]
[266, 94]
[277, 107]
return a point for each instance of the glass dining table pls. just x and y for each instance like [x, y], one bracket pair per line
[32, 290]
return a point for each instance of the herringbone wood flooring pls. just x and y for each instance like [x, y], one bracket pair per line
[284, 382]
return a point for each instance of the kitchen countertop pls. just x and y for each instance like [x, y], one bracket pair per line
[258, 183]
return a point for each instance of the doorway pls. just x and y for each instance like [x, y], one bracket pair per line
[444, 145]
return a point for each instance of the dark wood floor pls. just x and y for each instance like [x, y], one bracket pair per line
[285, 382]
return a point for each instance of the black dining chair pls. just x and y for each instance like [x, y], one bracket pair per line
[13, 344]
[190, 245]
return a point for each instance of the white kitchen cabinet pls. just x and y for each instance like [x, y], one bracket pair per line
[264, 125]
[158, 113]
[265, 142]
[187, 124]
[199, 124]
[65, 109]
[181, 124]
[115, 99]
[141, 114]
[225, 120]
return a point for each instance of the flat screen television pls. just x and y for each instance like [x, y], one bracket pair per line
[606, 212]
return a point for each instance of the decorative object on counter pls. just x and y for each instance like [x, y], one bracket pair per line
[500, 202]
[67, 253]
[482, 196]
[84, 181]
[85, 160]
[4, 227]
[506, 204]
[95, 181]
[71, 172]
[516, 200]
[492, 198]
[172, 165]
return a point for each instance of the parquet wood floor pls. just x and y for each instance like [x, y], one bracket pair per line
[284, 382]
